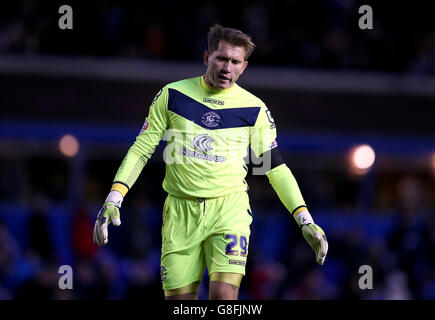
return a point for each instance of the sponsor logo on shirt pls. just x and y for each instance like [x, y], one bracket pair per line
[144, 127]
[214, 101]
[201, 155]
[163, 273]
[157, 96]
[274, 144]
[237, 262]
[203, 142]
[270, 118]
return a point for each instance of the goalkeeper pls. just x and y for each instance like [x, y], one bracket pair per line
[209, 123]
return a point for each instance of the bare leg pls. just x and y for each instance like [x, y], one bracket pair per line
[189, 292]
[223, 291]
[184, 296]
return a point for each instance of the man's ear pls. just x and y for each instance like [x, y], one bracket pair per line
[245, 66]
[205, 57]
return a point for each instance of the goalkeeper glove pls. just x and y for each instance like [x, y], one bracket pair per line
[314, 235]
[108, 213]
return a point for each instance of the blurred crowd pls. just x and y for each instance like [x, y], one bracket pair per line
[395, 236]
[304, 34]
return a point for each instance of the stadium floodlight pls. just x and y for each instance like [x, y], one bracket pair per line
[69, 145]
[361, 159]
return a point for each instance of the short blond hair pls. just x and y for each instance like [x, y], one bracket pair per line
[230, 35]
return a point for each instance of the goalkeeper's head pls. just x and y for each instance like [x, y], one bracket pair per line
[227, 56]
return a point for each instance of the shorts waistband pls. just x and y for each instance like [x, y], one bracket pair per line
[201, 199]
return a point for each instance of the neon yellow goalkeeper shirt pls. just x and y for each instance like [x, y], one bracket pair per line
[208, 133]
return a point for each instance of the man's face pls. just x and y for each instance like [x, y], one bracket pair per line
[225, 65]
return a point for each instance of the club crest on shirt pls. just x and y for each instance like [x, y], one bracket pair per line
[211, 119]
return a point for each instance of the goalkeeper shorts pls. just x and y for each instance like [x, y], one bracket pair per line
[199, 233]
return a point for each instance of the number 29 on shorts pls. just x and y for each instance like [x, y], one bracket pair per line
[235, 240]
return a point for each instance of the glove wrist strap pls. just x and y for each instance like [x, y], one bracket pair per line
[304, 218]
[115, 197]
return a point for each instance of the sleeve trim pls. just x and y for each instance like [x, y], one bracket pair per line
[298, 210]
[120, 187]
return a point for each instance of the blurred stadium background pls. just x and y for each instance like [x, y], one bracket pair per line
[72, 102]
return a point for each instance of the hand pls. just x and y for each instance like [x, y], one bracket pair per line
[108, 213]
[316, 238]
